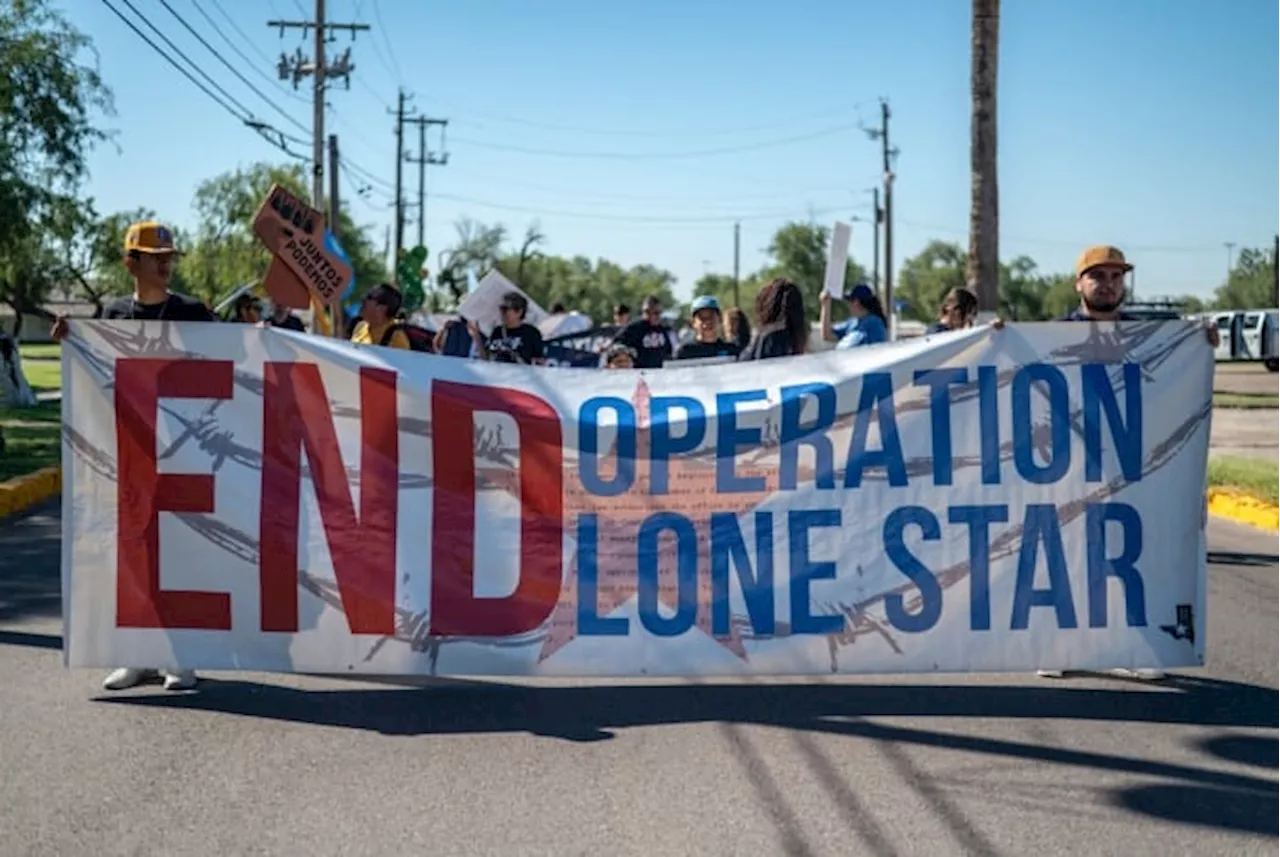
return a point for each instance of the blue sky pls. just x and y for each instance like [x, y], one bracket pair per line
[639, 131]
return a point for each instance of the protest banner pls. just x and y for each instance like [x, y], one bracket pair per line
[247, 499]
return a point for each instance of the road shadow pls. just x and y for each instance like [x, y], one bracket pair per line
[33, 641]
[1257, 560]
[1236, 810]
[30, 564]
[1243, 749]
[588, 714]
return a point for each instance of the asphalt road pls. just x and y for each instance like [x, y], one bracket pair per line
[254, 764]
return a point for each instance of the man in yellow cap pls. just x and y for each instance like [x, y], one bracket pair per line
[1100, 273]
[148, 255]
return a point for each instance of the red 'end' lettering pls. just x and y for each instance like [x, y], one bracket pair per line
[142, 493]
[295, 414]
[455, 611]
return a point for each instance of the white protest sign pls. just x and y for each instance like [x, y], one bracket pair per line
[837, 257]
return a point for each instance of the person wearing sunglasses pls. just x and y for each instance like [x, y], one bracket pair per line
[514, 340]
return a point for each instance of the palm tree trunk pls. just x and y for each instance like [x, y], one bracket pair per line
[983, 265]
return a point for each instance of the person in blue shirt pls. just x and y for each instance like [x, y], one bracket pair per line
[867, 323]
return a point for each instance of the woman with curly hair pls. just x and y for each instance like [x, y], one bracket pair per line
[782, 328]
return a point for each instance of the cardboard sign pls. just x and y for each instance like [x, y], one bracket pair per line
[837, 257]
[294, 232]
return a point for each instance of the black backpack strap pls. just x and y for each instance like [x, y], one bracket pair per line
[386, 337]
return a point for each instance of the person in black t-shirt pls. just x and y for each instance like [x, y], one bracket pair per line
[515, 340]
[648, 336]
[283, 318]
[149, 256]
[782, 329]
[707, 343]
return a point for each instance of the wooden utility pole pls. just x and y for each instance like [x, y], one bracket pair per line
[737, 248]
[339, 317]
[982, 268]
[427, 158]
[298, 66]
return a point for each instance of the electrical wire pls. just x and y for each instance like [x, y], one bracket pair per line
[230, 67]
[243, 115]
[466, 111]
[641, 156]
[249, 63]
[624, 218]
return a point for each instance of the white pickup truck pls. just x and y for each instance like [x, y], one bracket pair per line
[1247, 336]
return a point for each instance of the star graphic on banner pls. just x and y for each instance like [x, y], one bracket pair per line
[691, 492]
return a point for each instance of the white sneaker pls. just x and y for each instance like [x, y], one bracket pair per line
[179, 680]
[127, 677]
[1049, 673]
[1142, 674]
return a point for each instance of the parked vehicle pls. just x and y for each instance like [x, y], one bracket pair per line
[1247, 336]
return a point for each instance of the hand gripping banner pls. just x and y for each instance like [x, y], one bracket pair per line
[1032, 497]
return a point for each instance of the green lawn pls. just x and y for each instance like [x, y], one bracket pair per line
[1238, 400]
[1251, 476]
[40, 351]
[43, 374]
[31, 439]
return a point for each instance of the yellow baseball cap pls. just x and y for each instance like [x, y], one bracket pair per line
[149, 236]
[1102, 255]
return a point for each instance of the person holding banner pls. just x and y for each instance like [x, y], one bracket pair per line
[782, 330]
[958, 310]
[706, 344]
[514, 340]
[281, 317]
[867, 325]
[648, 337]
[148, 256]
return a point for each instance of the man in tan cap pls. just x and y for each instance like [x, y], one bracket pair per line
[148, 255]
[1100, 273]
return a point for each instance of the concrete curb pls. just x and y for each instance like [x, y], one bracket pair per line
[1243, 509]
[23, 492]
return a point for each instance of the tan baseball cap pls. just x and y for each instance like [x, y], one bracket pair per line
[1101, 255]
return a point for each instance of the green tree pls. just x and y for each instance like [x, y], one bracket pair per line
[926, 277]
[798, 251]
[477, 247]
[1250, 283]
[92, 252]
[49, 100]
[224, 253]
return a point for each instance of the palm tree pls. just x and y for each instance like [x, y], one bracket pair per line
[982, 269]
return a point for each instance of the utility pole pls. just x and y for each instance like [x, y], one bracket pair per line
[339, 320]
[298, 66]
[399, 245]
[1275, 273]
[888, 153]
[424, 159]
[737, 247]
[876, 219]
[1231, 246]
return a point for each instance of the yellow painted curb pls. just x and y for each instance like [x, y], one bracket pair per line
[23, 492]
[1244, 509]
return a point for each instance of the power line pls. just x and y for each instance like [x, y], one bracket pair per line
[177, 50]
[244, 117]
[249, 63]
[230, 67]
[639, 156]
[394, 67]
[623, 218]
[466, 112]
[606, 195]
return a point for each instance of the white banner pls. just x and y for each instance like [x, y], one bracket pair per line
[248, 499]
